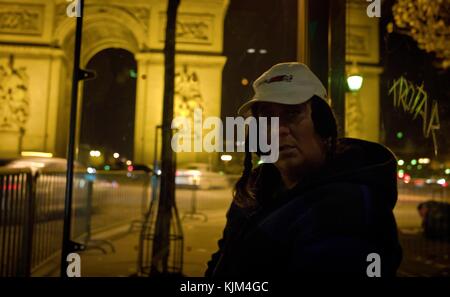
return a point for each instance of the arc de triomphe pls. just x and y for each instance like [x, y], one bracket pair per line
[36, 54]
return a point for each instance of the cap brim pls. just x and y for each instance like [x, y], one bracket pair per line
[245, 109]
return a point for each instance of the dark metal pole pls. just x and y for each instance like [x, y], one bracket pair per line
[67, 245]
[336, 60]
[161, 244]
[318, 38]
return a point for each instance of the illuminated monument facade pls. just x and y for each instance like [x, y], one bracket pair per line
[36, 56]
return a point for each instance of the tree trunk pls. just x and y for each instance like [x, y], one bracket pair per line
[161, 244]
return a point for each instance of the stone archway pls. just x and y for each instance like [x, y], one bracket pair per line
[104, 27]
[108, 107]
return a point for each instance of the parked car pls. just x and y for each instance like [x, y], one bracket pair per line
[198, 175]
[435, 219]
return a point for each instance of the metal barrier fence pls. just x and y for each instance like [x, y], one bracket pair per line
[119, 196]
[49, 214]
[32, 208]
[16, 221]
[147, 236]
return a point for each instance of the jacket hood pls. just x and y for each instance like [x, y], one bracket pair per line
[363, 162]
[355, 161]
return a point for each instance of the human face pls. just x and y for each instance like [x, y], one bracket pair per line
[302, 150]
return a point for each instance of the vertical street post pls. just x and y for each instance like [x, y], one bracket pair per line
[161, 244]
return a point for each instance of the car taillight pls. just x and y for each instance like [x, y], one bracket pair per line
[10, 187]
[407, 178]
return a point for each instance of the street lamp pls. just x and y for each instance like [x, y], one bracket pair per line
[354, 82]
[226, 159]
[354, 79]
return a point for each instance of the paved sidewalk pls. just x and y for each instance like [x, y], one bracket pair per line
[423, 257]
[201, 233]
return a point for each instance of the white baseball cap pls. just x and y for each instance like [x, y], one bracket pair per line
[285, 83]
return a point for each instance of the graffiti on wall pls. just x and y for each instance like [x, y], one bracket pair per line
[14, 98]
[413, 99]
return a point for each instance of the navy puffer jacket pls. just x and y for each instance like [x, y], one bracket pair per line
[328, 224]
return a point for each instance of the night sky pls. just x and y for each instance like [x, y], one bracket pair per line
[257, 24]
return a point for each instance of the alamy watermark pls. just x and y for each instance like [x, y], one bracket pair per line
[258, 135]
[374, 268]
[374, 9]
[73, 9]
[73, 265]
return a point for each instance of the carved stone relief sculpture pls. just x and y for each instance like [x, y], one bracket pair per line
[14, 97]
[191, 28]
[21, 19]
[353, 116]
[188, 97]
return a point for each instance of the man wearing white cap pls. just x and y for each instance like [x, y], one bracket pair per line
[324, 207]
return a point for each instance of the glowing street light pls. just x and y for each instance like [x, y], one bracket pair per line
[354, 79]
[226, 158]
[116, 155]
[354, 82]
[424, 161]
[441, 181]
[95, 153]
